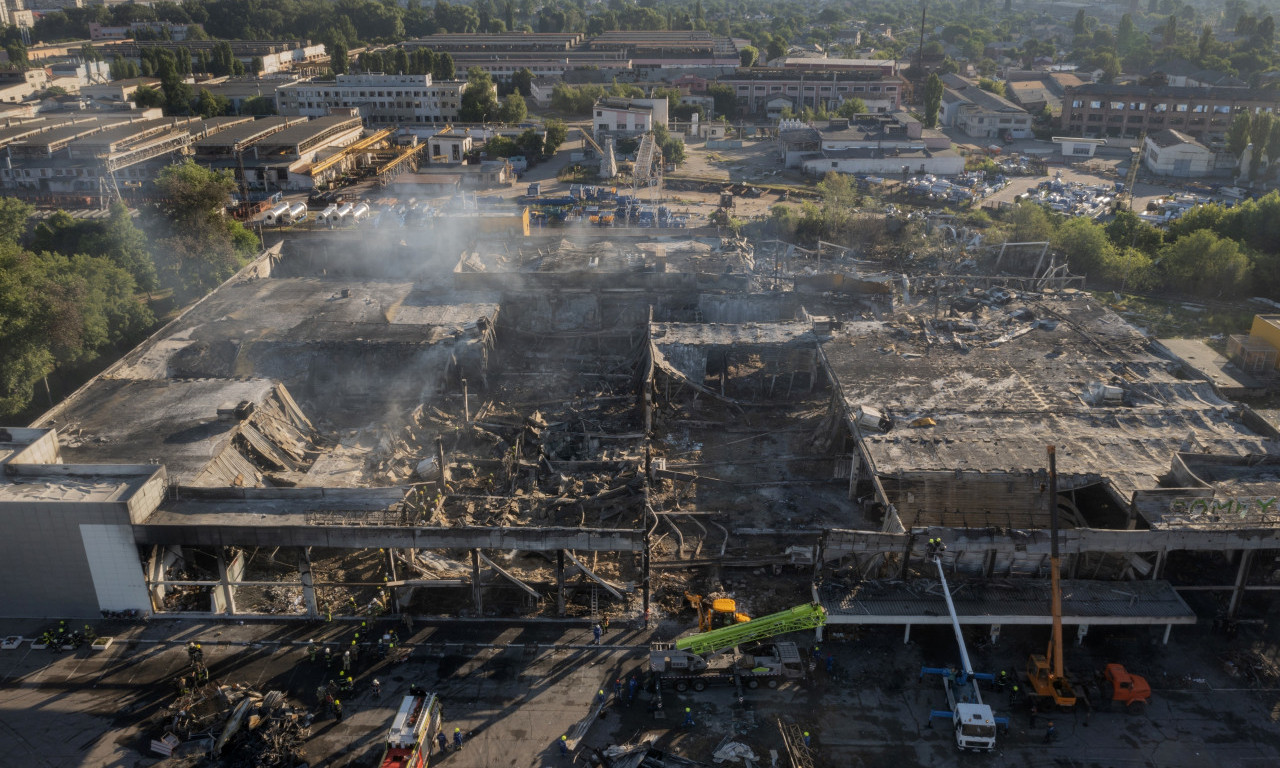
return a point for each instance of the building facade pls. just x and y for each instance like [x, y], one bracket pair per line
[757, 87]
[1205, 114]
[981, 114]
[627, 117]
[1170, 153]
[381, 99]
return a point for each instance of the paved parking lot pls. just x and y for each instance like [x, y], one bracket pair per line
[514, 689]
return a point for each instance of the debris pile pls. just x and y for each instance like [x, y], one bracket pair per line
[242, 726]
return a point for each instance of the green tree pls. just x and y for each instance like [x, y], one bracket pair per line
[513, 109]
[146, 96]
[1030, 224]
[203, 246]
[14, 215]
[1079, 27]
[1127, 230]
[115, 238]
[207, 105]
[1206, 41]
[932, 100]
[338, 58]
[852, 107]
[1126, 34]
[522, 81]
[1169, 36]
[479, 105]
[724, 99]
[991, 85]
[258, 105]
[1238, 135]
[1084, 242]
[556, 133]
[530, 143]
[1204, 264]
[748, 55]
[444, 69]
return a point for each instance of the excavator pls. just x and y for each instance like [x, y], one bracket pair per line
[720, 612]
[1045, 673]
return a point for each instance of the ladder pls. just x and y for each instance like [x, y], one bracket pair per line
[595, 603]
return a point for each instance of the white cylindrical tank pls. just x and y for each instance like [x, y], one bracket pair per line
[360, 211]
[298, 212]
[273, 215]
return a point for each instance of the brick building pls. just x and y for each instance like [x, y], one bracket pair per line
[1098, 109]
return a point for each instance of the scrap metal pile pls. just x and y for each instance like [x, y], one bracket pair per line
[239, 726]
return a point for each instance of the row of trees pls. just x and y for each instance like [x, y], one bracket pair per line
[1211, 252]
[398, 61]
[73, 291]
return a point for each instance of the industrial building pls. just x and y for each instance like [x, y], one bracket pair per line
[1205, 114]
[531, 425]
[759, 88]
[380, 99]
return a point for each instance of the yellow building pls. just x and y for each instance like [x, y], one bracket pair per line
[1257, 352]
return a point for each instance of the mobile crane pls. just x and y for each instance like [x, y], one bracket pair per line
[698, 660]
[1045, 673]
[721, 612]
[973, 722]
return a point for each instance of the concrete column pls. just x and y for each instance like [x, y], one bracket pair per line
[560, 582]
[1242, 575]
[228, 594]
[1159, 569]
[308, 583]
[988, 563]
[391, 591]
[906, 634]
[476, 596]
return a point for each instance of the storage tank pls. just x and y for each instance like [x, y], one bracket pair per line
[328, 213]
[343, 212]
[274, 215]
[360, 211]
[297, 213]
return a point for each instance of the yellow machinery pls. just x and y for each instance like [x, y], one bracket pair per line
[1045, 673]
[722, 612]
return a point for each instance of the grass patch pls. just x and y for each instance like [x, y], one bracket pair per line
[1165, 318]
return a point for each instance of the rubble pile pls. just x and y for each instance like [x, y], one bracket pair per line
[237, 724]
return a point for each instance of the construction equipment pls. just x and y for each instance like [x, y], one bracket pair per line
[1125, 198]
[973, 722]
[1128, 690]
[722, 612]
[700, 659]
[1045, 673]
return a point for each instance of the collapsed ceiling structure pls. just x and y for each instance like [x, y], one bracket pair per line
[568, 425]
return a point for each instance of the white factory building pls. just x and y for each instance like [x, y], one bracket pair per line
[381, 99]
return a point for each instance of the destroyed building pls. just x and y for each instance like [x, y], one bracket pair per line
[463, 422]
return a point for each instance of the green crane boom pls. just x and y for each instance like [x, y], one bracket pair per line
[801, 617]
